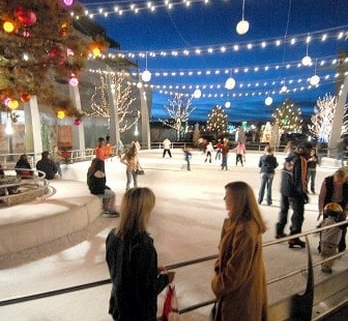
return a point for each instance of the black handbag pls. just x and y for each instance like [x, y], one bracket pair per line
[140, 171]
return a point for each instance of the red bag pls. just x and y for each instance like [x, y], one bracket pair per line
[170, 306]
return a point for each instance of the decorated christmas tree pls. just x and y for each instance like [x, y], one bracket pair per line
[288, 117]
[217, 121]
[38, 48]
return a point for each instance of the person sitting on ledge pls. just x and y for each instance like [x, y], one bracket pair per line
[23, 168]
[46, 165]
[96, 182]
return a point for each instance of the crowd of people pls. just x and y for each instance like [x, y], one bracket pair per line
[239, 280]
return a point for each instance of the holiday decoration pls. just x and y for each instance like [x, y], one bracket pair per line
[61, 114]
[25, 97]
[288, 117]
[122, 95]
[38, 44]
[179, 110]
[323, 116]
[77, 121]
[217, 121]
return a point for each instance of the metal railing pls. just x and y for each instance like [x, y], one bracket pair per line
[309, 268]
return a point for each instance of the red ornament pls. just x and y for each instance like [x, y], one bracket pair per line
[77, 121]
[25, 16]
[25, 97]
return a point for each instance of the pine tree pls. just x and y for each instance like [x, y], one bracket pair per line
[217, 121]
[322, 119]
[288, 117]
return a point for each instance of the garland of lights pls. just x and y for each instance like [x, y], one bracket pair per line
[323, 36]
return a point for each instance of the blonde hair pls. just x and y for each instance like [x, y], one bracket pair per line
[136, 207]
[244, 206]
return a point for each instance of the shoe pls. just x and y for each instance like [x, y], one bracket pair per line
[296, 243]
[279, 236]
[326, 269]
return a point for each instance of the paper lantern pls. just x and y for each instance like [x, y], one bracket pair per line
[230, 83]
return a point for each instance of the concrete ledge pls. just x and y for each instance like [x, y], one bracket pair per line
[70, 209]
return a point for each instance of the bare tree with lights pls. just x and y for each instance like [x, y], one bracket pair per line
[288, 117]
[179, 110]
[322, 120]
[217, 121]
[122, 94]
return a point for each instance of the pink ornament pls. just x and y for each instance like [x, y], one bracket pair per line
[77, 121]
[68, 2]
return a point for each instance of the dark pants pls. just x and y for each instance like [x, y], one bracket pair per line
[283, 215]
[224, 162]
[239, 158]
[297, 216]
[311, 177]
[165, 151]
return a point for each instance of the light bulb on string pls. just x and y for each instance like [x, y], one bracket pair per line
[315, 79]
[242, 26]
[306, 60]
[146, 75]
[227, 104]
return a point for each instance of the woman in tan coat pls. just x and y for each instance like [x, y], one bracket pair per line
[239, 282]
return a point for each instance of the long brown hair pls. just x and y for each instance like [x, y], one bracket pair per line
[136, 207]
[244, 206]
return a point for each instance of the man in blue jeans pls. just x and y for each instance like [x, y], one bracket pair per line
[267, 163]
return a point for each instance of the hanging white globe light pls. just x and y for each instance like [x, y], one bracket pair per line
[268, 101]
[242, 27]
[139, 84]
[306, 61]
[146, 76]
[314, 80]
[227, 104]
[230, 83]
[197, 93]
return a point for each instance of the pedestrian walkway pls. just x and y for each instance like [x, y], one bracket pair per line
[185, 225]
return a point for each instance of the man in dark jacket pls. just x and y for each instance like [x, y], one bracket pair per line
[293, 192]
[46, 165]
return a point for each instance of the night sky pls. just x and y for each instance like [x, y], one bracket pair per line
[259, 71]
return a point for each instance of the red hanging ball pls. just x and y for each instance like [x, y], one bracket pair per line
[77, 121]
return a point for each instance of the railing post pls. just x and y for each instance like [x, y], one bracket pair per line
[302, 304]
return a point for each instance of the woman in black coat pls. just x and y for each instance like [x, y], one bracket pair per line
[132, 261]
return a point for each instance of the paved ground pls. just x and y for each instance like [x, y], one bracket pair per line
[185, 225]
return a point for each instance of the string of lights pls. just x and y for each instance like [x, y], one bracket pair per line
[119, 8]
[336, 34]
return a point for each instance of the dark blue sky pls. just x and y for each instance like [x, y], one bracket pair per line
[213, 25]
